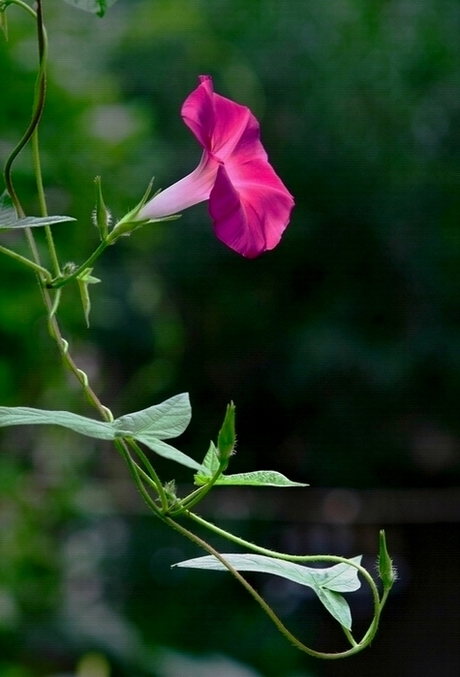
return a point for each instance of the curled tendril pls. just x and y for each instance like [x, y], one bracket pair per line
[39, 101]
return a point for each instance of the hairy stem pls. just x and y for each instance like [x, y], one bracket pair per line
[60, 280]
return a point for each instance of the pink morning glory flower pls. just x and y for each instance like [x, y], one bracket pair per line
[248, 203]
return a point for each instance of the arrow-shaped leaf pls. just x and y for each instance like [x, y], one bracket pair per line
[326, 582]
[258, 478]
[149, 426]
[336, 605]
[168, 451]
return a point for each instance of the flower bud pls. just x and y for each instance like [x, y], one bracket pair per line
[101, 216]
[387, 571]
[227, 438]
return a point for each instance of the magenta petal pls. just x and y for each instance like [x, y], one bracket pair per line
[248, 202]
[233, 124]
[219, 124]
[198, 112]
[252, 218]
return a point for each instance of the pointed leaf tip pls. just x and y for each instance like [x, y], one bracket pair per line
[161, 421]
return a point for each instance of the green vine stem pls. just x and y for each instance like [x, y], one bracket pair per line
[39, 101]
[43, 60]
[184, 505]
[40, 270]
[165, 506]
[152, 477]
[356, 646]
[43, 274]
[61, 280]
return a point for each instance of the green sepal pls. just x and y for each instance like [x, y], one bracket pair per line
[102, 216]
[84, 280]
[131, 220]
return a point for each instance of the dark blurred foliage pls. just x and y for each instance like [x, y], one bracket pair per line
[340, 348]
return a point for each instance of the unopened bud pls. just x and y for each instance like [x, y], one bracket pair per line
[387, 571]
[101, 215]
[227, 438]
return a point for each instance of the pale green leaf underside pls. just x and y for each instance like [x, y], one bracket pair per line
[165, 420]
[149, 426]
[327, 582]
[80, 424]
[336, 605]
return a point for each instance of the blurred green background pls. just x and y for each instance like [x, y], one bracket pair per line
[341, 348]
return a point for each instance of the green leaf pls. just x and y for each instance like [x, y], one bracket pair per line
[336, 605]
[98, 7]
[340, 577]
[258, 478]
[79, 424]
[149, 426]
[162, 421]
[9, 218]
[168, 451]
[210, 463]
[33, 222]
[327, 582]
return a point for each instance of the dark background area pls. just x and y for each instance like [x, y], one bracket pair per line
[340, 348]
